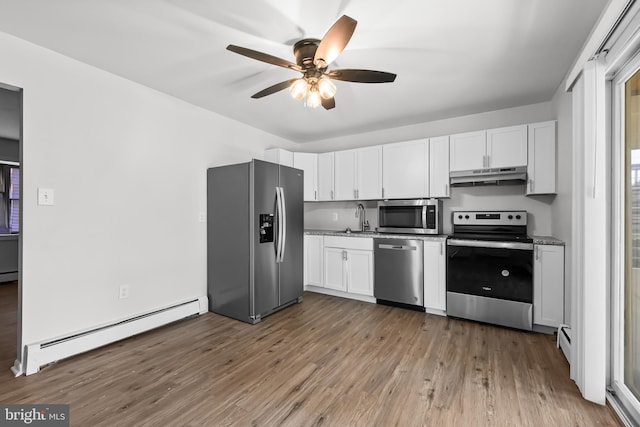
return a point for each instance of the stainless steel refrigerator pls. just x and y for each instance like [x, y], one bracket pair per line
[254, 239]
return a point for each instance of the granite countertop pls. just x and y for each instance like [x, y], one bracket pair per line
[537, 240]
[547, 240]
[373, 234]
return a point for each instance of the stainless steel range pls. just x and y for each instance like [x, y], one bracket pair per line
[490, 268]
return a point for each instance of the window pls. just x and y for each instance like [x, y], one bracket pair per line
[9, 199]
[14, 200]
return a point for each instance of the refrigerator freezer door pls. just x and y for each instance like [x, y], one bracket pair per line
[228, 251]
[265, 270]
[291, 265]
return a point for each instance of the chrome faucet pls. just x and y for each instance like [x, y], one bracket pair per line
[361, 214]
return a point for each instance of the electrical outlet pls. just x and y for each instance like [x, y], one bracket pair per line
[334, 216]
[124, 291]
[202, 217]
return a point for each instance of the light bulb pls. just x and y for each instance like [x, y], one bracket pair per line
[298, 89]
[313, 98]
[326, 88]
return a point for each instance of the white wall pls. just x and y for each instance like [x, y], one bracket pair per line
[561, 208]
[128, 166]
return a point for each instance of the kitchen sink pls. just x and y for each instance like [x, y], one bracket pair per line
[350, 231]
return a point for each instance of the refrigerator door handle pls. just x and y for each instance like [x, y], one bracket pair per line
[278, 239]
[283, 243]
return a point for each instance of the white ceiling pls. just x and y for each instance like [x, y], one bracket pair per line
[452, 57]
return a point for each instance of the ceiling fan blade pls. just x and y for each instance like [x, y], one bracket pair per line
[361, 76]
[334, 41]
[273, 89]
[328, 104]
[264, 57]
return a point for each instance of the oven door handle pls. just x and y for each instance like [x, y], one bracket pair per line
[491, 244]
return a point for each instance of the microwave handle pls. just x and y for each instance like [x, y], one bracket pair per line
[424, 217]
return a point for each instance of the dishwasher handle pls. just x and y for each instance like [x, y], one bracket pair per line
[397, 247]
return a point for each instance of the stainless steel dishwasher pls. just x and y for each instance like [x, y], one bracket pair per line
[399, 272]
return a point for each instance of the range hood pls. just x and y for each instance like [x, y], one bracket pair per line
[495, 176]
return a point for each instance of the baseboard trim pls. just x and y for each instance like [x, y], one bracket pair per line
[17, 368]
[340, 294]
[44, 353]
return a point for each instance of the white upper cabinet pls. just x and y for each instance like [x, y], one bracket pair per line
[493, 148]
[308, 162]
[369, 173]
[467, 151]
[345, 175]
[404, 170]
[280, 156]
[507, 147]
[358, 174]
[439, 167]
[541, 169]
[325, 176]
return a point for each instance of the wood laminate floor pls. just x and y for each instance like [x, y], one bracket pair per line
[327, 361]
[8, 325]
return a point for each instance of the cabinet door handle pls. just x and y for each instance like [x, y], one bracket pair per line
[488, 161]
[315, 194]
[446, 190]
[331, 194]
[484, 161]
[441, 247]
[537, 252]
[383, 192]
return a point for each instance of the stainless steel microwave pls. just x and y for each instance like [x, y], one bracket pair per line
[422, 216]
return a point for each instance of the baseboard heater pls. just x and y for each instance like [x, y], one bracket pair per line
[564, 341]
[41, 354]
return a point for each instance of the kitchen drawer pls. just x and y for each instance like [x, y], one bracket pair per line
[362, 243]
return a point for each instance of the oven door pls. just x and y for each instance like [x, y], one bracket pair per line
[490, 281]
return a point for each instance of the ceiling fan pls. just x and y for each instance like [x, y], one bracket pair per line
[313, 57]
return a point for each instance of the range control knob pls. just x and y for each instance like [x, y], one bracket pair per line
[518, 217]
[466, 217]
[459, 216]
[510, 217]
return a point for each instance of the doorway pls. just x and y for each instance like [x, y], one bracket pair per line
[10, 226]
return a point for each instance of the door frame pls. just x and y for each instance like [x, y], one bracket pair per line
[616, 357]
[18, 365]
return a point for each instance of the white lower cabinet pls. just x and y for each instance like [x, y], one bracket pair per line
[313, 248]
[360, 272]
[435, 276]
[335, 270]
[548, 285]
[348, 264]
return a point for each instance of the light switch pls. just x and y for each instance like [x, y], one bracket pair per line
[45, 196]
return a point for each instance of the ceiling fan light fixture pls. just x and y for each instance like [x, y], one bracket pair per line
[298, 89]
[313, 98]
[326, 88]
